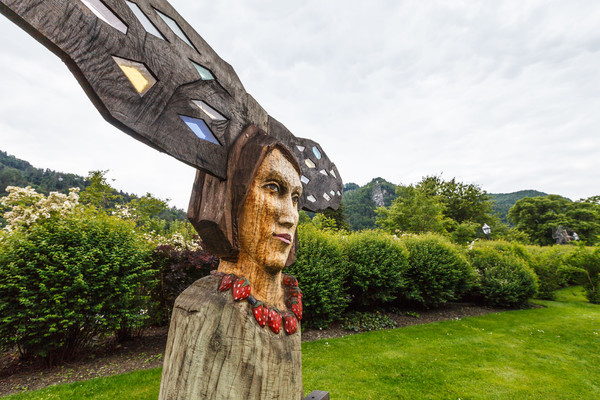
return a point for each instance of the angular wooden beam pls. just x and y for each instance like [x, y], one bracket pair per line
[150, 74]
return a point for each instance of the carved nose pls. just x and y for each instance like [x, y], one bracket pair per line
[288, 215]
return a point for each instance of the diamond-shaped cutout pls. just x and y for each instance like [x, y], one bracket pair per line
[144, 20]
[309, 163]
[304, 179]
[105, 14]
[311, 198]
[316, 152]
[174, 27]
[204, 73]
[137, 73]
[200, 129]
[208, 110]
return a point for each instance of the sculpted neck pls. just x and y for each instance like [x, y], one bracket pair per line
[266, 285]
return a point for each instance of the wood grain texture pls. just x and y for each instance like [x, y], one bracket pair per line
[267, 227]
[216, 205]
[216, 350]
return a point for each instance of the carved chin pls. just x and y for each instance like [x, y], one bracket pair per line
[276, 262]
[275, 269]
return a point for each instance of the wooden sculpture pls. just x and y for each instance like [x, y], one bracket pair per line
[241, 324]
[236, 333]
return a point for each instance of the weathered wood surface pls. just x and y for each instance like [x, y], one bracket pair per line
[87, 45]
[216, 350]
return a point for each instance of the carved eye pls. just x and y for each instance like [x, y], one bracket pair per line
[272, 186]
[295, 198]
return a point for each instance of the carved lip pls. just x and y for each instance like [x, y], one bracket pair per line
[284, 237]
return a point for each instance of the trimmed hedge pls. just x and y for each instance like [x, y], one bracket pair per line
[321, 270]
[504, 279]
[553, 269]
[437, 272]
[66, 280]
[376, 264]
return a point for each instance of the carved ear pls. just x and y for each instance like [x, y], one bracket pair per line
[152, 76]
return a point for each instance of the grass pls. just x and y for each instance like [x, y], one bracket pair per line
[138, 385]
[544, 353]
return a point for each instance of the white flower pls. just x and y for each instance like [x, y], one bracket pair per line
[26, 206]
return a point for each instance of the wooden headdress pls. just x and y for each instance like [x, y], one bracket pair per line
[152, 76]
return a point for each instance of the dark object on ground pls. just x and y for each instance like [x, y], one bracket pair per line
[317, 395]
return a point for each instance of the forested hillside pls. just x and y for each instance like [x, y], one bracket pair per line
[502, 202]
[17, 172]
[360, 202]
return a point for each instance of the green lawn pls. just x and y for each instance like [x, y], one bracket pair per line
[546, 353]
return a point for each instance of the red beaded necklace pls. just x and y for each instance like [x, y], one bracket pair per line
[267, 315]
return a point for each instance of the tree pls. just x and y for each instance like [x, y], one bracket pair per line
[539, 216]
[435, 205]
[412, 211]
[99, 193]
[339, 218]
[462, 202]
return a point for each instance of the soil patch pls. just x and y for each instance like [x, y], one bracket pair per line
[146, 352]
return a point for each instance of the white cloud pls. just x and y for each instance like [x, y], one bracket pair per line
[502, 94]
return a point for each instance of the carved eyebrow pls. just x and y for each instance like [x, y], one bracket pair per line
[282, 182]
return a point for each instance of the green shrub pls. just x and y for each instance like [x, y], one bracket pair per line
[376, 262]
[552, 269]
[437, 272]
[503, 246]
[65, 280]
[321, 271]
[588, 260]
[570, 275]
[504, 279]
[364, 321]
[465, 232]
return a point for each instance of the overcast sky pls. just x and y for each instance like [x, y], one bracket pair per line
[503, 94]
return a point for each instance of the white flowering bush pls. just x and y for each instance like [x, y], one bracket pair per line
[67, 274]
[26, 206]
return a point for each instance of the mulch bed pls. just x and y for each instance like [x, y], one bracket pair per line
[146, 352]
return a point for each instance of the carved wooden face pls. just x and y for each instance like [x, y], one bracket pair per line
[270, 215]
